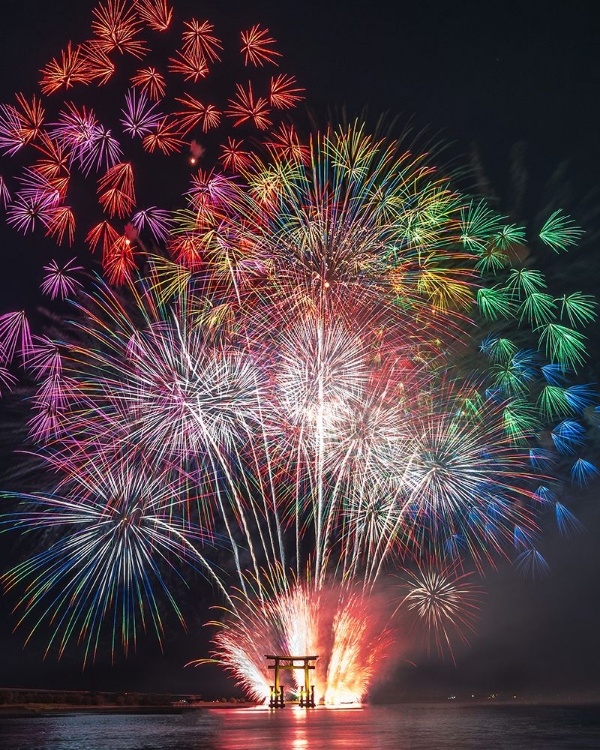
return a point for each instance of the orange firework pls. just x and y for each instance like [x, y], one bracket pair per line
[233, 156]
[155, 13]
[56, 159]
[116, 192]
[53, 166]
[99, 66]
[197, 113]
[150, 81]
[257, 46]
[103, 235]
[166, 138]
[21, 124]
[192, 66]
[59, 185]
[347, 628]
[199, 40]
[286, 145]
[211, 117]
[61, 224]
[70, 69]
[284, 92]
[116, 28]
[245, 107]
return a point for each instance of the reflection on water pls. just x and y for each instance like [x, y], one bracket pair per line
[412, 727]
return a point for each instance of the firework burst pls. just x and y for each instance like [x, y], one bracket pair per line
[445, 601]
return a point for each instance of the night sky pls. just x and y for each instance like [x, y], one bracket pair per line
[482, 78]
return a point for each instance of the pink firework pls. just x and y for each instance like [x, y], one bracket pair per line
[140, 118]
[156, 220]
[15, 337]
[59, 282]
[4, 193]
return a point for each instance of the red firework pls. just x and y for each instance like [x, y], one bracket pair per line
[116, 192]
[195, 114]
[102, 235]
[244, 107]
[155, 13]
[233, 157]
[117, 27]
[66, 71]
[257, 46]
[191, 66]
[284, 92]
[166, 138]
[151, 82]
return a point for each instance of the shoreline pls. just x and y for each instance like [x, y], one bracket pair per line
[44, 710]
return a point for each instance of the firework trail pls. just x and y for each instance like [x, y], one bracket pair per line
[337, 366]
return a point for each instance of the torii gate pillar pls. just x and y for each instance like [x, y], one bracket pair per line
[307, 691]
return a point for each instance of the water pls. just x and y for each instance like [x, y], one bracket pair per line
[413, 727]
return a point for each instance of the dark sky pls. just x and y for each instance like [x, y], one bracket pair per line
[483, 75]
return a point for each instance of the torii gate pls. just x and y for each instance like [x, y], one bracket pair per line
[307, 692]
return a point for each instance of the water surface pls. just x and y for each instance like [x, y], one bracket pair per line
[404, 727]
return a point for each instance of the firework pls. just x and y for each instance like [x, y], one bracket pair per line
[74, 137]
[347, 628]
[115, 26]
[125, 533]
[139, 117]
[150, 82]
[257, 46]
[332, 363]
[445, 601]
[66, 72]
[245, 107]
[310, 376]
[156, 13]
